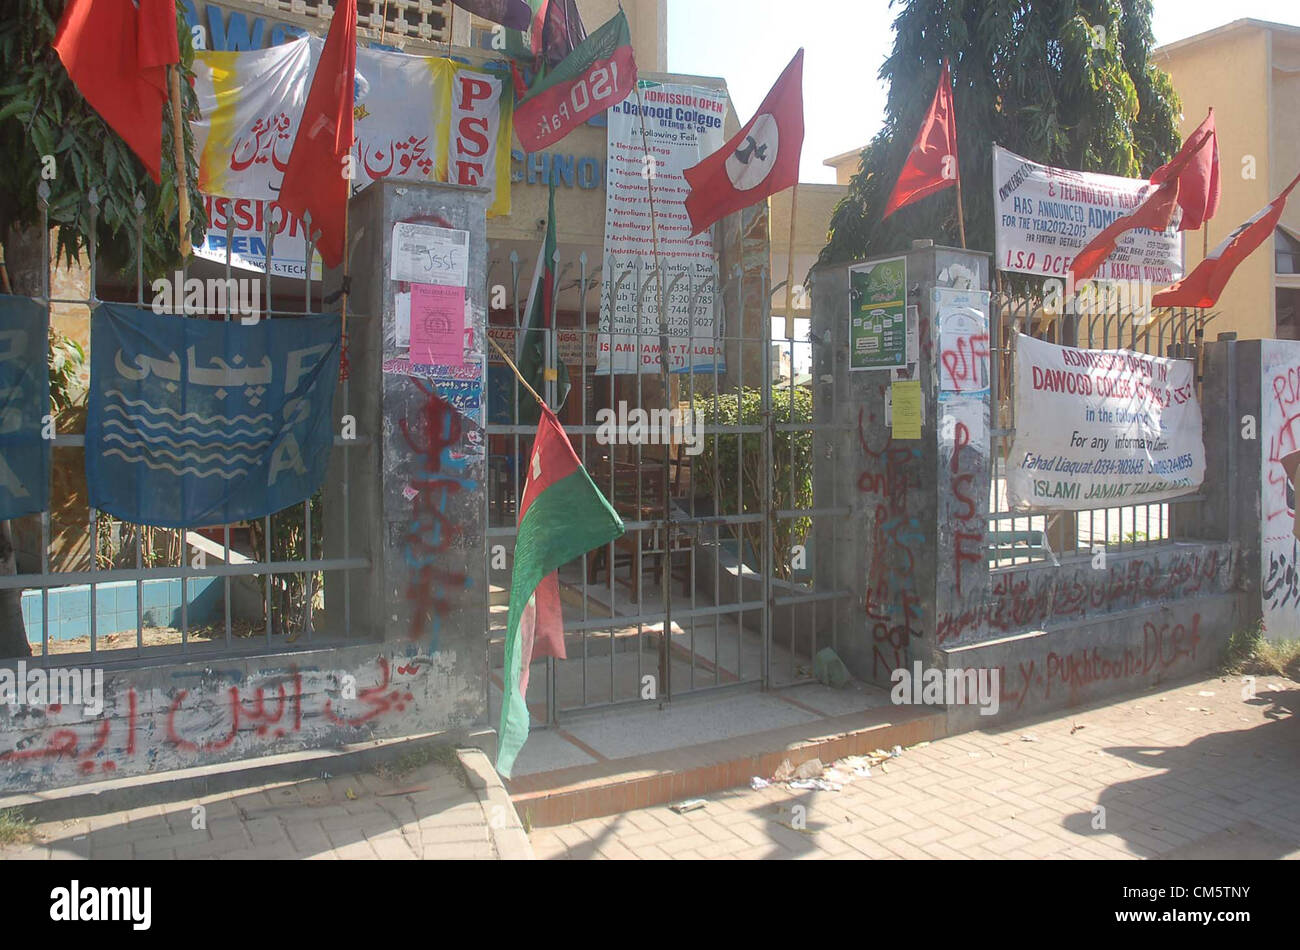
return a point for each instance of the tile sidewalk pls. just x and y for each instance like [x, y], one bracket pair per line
[1172, 773]
[445, 809]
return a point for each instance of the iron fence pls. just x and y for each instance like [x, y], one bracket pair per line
[268, 573]
[1111, 320]
[733, 600]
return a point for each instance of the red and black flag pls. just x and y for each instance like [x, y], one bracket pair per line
[760, 160]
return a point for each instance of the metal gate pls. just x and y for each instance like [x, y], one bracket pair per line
[713, 586]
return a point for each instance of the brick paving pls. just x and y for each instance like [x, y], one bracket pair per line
[1172, 773]
[444, 809]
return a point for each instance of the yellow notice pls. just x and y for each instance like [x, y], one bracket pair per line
[906, 394]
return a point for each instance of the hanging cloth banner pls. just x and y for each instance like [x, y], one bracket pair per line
[197, 422]
[419, 118]
[684, 126]
[24, 398]
[1102, 429]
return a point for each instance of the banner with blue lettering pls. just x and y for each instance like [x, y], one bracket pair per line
[197, 422]
[24, 399]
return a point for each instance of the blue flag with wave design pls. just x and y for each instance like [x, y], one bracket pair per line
[24, 399]
[196, 422]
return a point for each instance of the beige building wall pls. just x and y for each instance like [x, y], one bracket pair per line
[813, 219]
[1241, 70]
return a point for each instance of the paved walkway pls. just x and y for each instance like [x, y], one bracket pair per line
[1195, 770]
[450, 807]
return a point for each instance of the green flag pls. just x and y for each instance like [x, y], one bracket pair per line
[562, 516]
[531, 355]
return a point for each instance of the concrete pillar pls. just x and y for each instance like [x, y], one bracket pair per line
[417, 484]
[912, 548]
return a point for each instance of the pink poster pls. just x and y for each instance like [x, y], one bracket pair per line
[437, 325]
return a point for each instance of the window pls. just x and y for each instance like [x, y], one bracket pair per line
[1286, 256]
[1288, 313]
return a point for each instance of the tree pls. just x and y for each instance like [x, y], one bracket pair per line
[50, 134]
[1064, 82]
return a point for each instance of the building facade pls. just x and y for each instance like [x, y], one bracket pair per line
[1249, 72]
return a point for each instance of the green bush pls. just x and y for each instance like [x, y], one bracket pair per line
[732, 466]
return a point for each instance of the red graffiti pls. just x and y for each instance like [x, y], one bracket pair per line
[965, 365]
[378, 700]
[431, 533]
[243, 713]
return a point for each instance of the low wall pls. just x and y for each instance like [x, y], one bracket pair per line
[181, 715]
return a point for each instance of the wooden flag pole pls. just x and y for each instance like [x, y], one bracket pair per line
[789, 269]
[518, 375]
[178, 152]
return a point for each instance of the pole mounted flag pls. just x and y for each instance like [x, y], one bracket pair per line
[759, 161]
[599, 74]
[562, 516]
[117, 55]
[531, 354]
[932, 164]
[1199, 188]
[1201, 288]
[1156, 211]
[314, 178]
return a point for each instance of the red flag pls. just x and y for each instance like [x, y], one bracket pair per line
[117, 56]
[1154, 213]
[932, 164]
[762, 158]
[1201, 288]
[1199, 188]
[313, 179]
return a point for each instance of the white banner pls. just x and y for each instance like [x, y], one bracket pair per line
[1044, 216]
[683, 126]
[1102, 429]
[420, 118]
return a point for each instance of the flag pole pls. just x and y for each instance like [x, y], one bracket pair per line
[345, 367]
[961, 217]
[518, 375]
[178, 152]
[789, 269]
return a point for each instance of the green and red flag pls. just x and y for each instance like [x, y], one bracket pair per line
[530, 356]
[562, 516]
[598, 74]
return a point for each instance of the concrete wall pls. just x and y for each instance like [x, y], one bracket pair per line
[912, 551]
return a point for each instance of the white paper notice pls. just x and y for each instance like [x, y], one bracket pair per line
[403, 307]
[423, 254]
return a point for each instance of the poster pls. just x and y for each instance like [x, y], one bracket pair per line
[437, 325]
[426, 254]
[420, 118]
[1101, 429]
[683, 126]
[878, 314]
[1044, 216]
[963, 318]
[905, 399]
[1279, 437]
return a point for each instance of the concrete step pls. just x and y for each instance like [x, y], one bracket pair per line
[563, 796]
